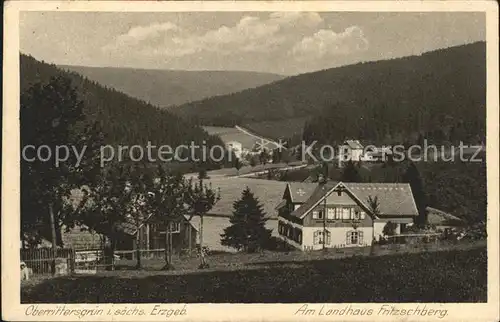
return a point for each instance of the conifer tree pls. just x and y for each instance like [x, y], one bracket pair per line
[247, 231]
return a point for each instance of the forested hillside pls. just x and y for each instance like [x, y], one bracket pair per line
[172, 87]
[440, 94]
[123, 120]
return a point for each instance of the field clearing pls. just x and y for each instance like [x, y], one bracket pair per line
[228, 134]
[446, 276]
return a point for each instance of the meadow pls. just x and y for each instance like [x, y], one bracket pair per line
[444, 276]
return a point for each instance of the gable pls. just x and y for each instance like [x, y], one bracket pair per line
[353, 144]
[300, 191]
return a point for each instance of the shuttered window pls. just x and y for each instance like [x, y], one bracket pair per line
[320, 237]
[354, 237]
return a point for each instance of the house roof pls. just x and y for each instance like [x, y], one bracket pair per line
[268, 192]
[353, 144]
[395, 199]
[300, 191]
[438, 217]
[316, 196]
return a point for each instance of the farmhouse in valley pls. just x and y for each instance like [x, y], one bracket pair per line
[339, 214]
[352, 149]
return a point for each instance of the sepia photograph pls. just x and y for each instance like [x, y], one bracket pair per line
[253, 156]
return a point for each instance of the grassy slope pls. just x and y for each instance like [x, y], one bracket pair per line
[450, 276]
[173, 87]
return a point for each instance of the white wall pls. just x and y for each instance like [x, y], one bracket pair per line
[356, 154]
[352, 154]
[337, 237]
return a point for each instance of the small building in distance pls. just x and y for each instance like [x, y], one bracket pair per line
[235, 147]
[442, 220]
[352, 150]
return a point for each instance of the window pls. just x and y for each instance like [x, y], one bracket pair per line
[331, 213]
[280, 228]
[317, 214]
[319, 237]
[354, 237]
[346, 213]
[175, 227]
[338, 213]
[362, 215]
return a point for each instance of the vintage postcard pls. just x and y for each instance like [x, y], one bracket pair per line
[241, 161]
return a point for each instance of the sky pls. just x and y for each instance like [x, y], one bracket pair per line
[286, 43]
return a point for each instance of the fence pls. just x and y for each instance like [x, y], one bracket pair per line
[42, 261]
[414, 239]
[46, 261]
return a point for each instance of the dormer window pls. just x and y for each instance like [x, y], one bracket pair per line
[317, 214]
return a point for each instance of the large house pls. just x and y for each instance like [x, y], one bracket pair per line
[339, 214]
